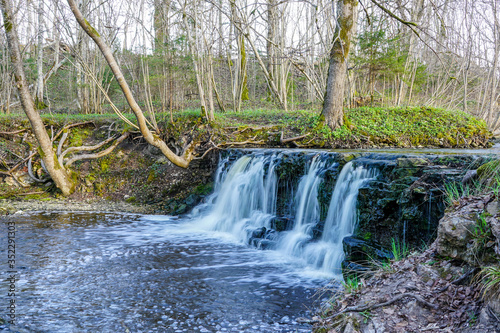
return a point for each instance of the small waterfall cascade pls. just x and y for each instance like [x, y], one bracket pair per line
[307, 214]
[341, 219]
[244, 198]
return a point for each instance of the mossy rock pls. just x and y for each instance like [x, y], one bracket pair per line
[489, 170]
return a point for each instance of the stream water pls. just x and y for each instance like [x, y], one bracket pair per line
[104, 272]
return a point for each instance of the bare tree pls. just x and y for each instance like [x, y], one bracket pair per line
[153, 139]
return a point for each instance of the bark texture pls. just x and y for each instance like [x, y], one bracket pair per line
[59, 175]
[333, 112]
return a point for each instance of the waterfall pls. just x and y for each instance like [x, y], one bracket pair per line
[244, 203]
[307, 210]
[341, 219]
[244, 198]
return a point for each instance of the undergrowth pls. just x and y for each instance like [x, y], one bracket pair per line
[403, 127]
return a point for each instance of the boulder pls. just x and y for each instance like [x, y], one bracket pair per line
[458, 236]
[455, 233]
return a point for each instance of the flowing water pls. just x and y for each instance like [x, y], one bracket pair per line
[103, 272]
[95, 272]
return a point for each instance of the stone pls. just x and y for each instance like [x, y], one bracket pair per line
[349, 328]
[412, 162]
[493, 208]
[10, 181]
[454, 234]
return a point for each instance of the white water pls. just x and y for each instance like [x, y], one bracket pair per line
[307, 211]
[327, 254]
[245, 200]
[245, 197]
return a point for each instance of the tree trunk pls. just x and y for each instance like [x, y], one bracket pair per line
[334, 97]
[154, 140]
[59, 175]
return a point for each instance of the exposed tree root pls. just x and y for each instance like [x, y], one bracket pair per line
[389, 302]
[95, 155]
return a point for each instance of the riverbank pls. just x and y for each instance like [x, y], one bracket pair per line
[453, 286]
[11, 207]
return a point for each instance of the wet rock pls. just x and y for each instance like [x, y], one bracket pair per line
[358, 250]
[412, 162]
[281, 223]
[259, 233]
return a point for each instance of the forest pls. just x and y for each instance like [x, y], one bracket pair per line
[222, 56]
[236, 165]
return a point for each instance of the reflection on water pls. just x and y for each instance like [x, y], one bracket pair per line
[101, 272]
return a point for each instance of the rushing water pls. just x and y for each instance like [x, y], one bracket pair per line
[98, 272]
[95, 272]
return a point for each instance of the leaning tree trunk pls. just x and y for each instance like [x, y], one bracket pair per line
[335, 83]
[59, 175]
[153, 139]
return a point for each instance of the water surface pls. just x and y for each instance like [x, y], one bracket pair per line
[108, 272]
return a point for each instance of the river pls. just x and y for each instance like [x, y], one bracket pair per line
[108, 272]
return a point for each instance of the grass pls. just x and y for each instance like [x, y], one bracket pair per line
[399, 250]
[488, 182]
[351, 284]
[489, 277]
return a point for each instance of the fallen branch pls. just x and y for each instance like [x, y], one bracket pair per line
[376, 306]
[13, 133]
[29, 193]
[251, 141]
[300, 137]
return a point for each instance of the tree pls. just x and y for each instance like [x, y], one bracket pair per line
[334, 97]
[59, 174]
[152, 139]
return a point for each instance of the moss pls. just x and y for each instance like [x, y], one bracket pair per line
[151, 176]
[91, 29]
[244, 87]
[203, 189]
[489, 169]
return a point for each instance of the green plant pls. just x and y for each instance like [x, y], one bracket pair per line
[472, 318]
[367, 316]
[490, 282]
[351, 284]
[399, 249]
